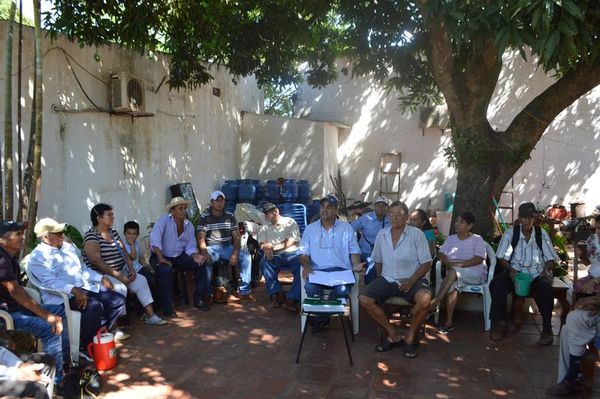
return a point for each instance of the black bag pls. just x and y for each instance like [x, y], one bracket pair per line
[90, 383]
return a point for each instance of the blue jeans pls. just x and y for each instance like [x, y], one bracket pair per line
[285, 261]
[316, 290]
[56, 346]
[370, 272]
[223, 253]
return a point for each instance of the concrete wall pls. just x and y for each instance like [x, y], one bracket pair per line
[274, 147]
[563, 167]
[91, 156]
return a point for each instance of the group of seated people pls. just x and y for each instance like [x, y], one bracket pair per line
[396, 256]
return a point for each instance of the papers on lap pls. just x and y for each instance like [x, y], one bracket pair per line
[332, 279]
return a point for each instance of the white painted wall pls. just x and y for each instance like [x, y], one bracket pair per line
[563, 167]
[274, 147]
[89, 157]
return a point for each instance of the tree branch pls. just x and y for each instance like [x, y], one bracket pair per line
[529, 125]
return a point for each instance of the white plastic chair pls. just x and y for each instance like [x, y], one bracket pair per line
[73, 316]
[484, 289]
[353, 303]
[8, 320]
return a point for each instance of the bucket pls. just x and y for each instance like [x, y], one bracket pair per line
[444, 220]
[577, 210]
[522, 284]
[103, 350]
[449, 202]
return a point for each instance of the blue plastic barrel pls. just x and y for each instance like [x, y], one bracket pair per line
[313, 209]
[259, 191]
[246, 191]
[230, 189]
[230, 206]
[272, 191]
[289, 192]
[303, 191]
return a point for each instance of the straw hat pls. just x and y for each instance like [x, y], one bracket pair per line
[176, 201]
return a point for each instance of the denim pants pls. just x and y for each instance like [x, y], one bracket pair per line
[317, 290]
[223, 253]
[284, 261]
[102, 310]
[56, 346]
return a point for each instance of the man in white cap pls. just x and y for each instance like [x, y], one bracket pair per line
[328, 245]
[369, 224]
[219, 239]
[173, 245]
[56, 265]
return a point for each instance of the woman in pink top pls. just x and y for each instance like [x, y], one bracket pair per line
[464, 255]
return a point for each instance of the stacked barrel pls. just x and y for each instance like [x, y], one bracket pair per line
[276, 191]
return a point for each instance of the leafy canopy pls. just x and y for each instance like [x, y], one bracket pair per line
[270, 38]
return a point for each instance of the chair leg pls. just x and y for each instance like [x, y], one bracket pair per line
[302, 339]
[184, 290]
[346, 340]
[350, 328]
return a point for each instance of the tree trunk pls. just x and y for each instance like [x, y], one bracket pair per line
[7, 206]
[21, 191]
[38, 109]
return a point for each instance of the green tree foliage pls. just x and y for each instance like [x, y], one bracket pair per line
[5, 12]
[429, 51]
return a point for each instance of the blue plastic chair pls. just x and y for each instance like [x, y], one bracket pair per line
[296, 212]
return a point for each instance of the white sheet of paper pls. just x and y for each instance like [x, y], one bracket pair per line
[332, 279]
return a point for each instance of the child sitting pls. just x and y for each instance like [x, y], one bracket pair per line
[131, 231]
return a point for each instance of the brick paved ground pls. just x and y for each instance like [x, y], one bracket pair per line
[242, 350]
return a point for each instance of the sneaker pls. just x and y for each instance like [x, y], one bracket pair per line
[445, 329]
[121, 335]
[154, 320]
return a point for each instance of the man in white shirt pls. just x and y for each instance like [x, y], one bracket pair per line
[328, 245]
[402, 260]
[56, 265]
[279, 240]
[524, 248]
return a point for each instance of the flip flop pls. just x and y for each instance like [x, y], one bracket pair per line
[388, 345]
[410, 351]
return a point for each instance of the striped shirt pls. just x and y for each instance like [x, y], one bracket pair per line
[109, 250]
[218, 229]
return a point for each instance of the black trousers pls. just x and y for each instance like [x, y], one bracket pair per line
[541, 292]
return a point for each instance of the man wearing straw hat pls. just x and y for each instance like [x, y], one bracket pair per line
[524, 248]
[56, 265]
[173, 244]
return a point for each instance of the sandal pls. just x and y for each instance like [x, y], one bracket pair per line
[410, 351]
[388, 345]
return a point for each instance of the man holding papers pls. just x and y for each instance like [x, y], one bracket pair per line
[329, 255]
[402, 259]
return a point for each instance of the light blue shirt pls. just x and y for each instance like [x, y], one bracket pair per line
[369, 225]
[329, 248]
[9, 363]
[60, 269]
[136, 263]
[164, 237]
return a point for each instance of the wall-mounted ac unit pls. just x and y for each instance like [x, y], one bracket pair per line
[131, 95]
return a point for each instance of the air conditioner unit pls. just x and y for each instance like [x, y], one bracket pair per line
[129, 94]
[434, 117]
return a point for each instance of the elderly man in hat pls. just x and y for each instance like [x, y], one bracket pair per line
[173, 244]
[56, 265]
[369, 224]
[219, 239]
[27, 314]
[328, 245]
[524, 248]
[279, 240]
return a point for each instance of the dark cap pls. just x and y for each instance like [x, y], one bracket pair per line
[332, 199]
[10, 225]
[527, 210]
[269, 206]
